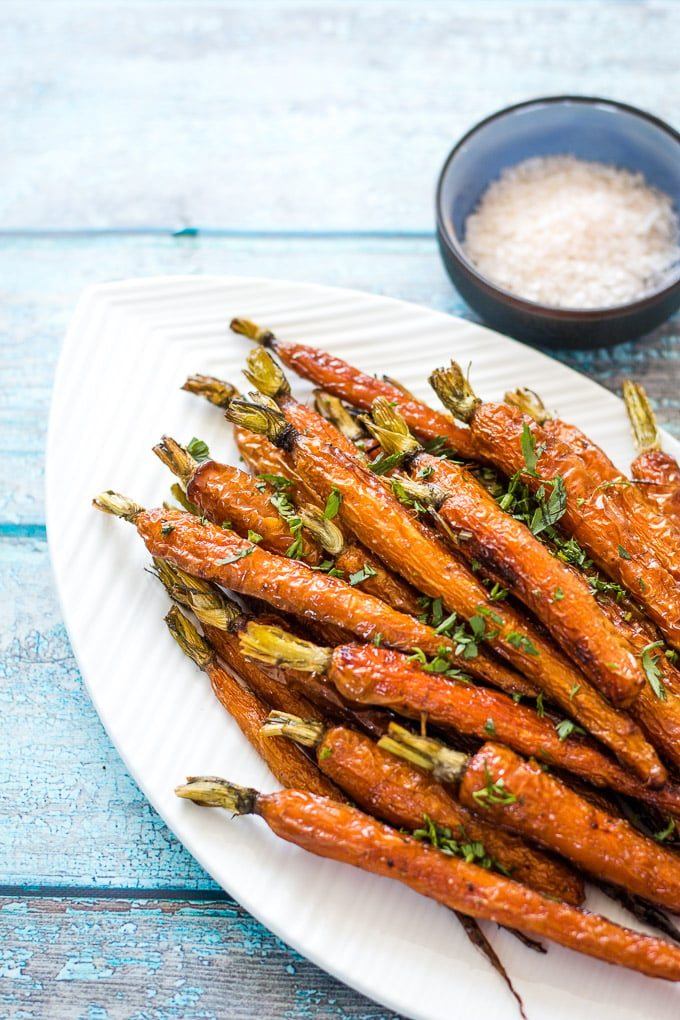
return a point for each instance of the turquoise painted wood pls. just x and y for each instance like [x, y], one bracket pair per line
[302, 141]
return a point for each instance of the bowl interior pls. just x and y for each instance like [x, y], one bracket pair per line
[592, 130]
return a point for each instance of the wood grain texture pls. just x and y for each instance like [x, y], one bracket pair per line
[118, 959]
[290, 115]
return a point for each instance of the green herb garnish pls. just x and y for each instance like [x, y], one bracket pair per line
[197, 449]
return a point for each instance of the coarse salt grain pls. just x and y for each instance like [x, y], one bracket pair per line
[573, 234]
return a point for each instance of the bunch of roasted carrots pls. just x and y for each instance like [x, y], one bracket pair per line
[466, 627]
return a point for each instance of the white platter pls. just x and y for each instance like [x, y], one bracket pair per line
[130, 347]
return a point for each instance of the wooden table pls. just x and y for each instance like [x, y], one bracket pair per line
[294, 140]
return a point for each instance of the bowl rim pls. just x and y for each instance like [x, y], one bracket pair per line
[525, 305]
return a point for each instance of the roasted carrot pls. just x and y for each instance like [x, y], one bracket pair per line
[351, 559]
[359, 389]
[411, 549]
[267, 377]
[362, 567]
[231, 498]
[249, 712]
[223, 620]
[593, 516]
[657, 473]
[498, 542]
[659, 531]
[521, 796]
[406, 797]
[343, 833]
[204, 550]
[366, 675]
[598, 464]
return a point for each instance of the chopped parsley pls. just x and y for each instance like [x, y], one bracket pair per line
[522, 642]
[493, 792]
[197, 449]
[471, 851]
[530, 451]
[566, 727]
[278, 482]
[292, 519]
[332, 504]
[384, 463]
[237, 556]
[362, 575]
[650, 664]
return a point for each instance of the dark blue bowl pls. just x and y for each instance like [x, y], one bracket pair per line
[592, 129]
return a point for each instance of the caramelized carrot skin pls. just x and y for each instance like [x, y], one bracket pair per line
[264, 458]
[342, 833]
[403, 796]
[548, 812]
[661, 473]
[360, 390]
[545, 585]
[275, 693]
[660, 529]
[384, 584]
[224, 493]
[593, 516]
[410, 548]
[287, 763]
[378, 676]
[597, 463]
[286, 584]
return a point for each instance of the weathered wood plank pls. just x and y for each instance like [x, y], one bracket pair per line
[70, 815]
[67, 958]
[334, 115]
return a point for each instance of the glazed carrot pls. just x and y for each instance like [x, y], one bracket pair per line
[447, 766]
[249, 712]
[660, 531]
[229, 496]
[359, 389]
[521, 796]
[206, 551]
[598, 465]
[657, 473]
[296, 692]
[343, 833]
[404, 796]
[412, 550]
[593, 516]
[267, 377]
[657, 708]
[505, 546]
[366, 675]
[351, 559]
[222, 620]
[354, 561]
